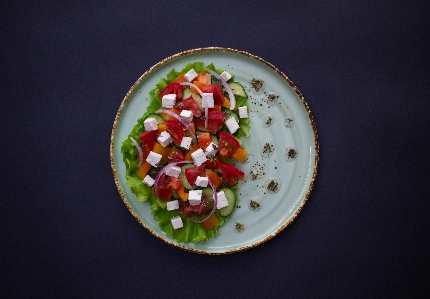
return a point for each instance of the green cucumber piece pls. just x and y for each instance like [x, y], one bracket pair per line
[159, 119]
[209, 193]
[229, 113]
[231, 198]
[237, 89]
[183, 178]
[187, 93]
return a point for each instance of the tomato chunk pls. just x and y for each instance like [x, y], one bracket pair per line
[231, 175]
[192, 173]
[176, 129]
[216, 89]
[227, 144]
[189, 210]
[175, 155]
[172, 88]
[164, 194]
[215, 122]
[148, 139]
[190, 104]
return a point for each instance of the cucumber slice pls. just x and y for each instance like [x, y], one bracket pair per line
[187, 93]
[229, 113]
[237, 89]
[183, 178]
[209, 193]
[159, 119]
[214, 139]
[231, 198]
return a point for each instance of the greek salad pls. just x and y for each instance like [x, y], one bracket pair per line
[184, 154]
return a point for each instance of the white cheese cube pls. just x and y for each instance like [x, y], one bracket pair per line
[202, 181]
[187, 115]
[243, 112]
[232, 125]
[195, 197]
[186, 142]
[173, 171]
[208, 100]
[212, 149]
[168, 101]
[190, 75]
[153, 158]
[199, 157]
[149, 181]
[222, 201]
[164, 139]
[177, 222]
[225, 75]
[172, 205]
[150, 124]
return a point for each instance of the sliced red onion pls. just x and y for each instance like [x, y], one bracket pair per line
[214, 207]
[193, 85]
[201, 94]
[139, 149]
[164, 169]
[226, 86]
[184, 122]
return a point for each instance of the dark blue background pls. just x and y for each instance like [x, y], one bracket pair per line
[362, 66]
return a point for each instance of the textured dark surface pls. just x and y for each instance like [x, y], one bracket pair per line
[362, 66]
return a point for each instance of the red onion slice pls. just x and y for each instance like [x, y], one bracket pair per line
[139, 149]
[164, 169]
[180, 119]
[226, 86]
[214, 207]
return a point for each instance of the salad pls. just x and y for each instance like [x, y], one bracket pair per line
[183, 156]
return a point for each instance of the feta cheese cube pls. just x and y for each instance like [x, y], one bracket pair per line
[202, 181]
[172, 205]
[187, 115]
[173, 171]
[243, 112]
[199, 157]
[150, 124]
[208, 100]
[153, 158]
[177, 222]
[168, 101]
[195, 197]
[149, 181]
[186, 142]
[232, 125]
[190, 75]
[225, 75]
[222, 201]
[164, 139]
[212, 149]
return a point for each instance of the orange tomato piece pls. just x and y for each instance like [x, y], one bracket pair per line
[198, 84]
[143, 170]
[204, 139]
[204, 78]
[211, 222]
[240, 155]
[214, 178]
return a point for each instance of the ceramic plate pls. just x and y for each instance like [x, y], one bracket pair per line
[283, 150]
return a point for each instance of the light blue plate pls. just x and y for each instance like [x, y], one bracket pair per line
[271, 146]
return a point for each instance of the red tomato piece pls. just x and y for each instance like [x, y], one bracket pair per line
[189, 210]
[190, 104]
[216, 89]
[174, 183]
[215, 122]
[192, 173]
[231, 174]
[148, 139]
[175, 155]
[176, 129]
[213, 163]
[172, 88]
[227, 144]
[164, 194]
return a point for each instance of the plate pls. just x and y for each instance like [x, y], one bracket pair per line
[283, 150]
